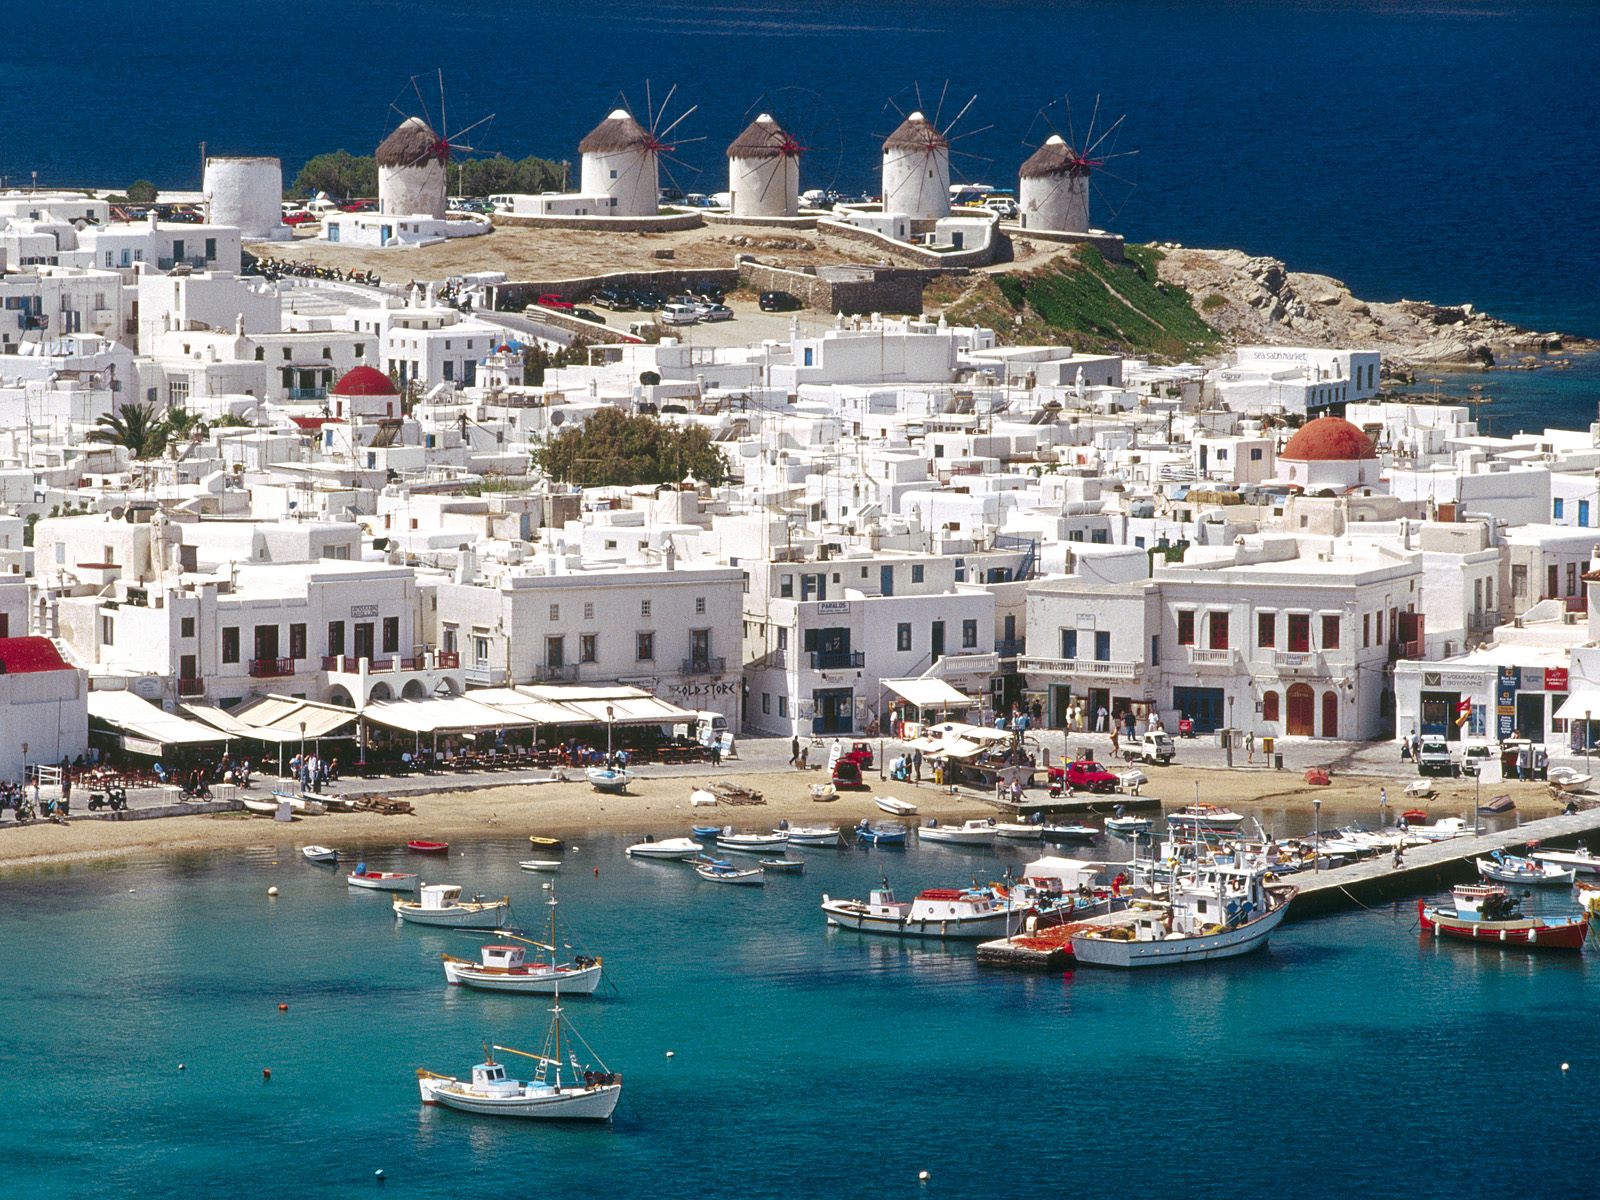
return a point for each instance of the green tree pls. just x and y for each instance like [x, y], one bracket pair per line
[536, 360]
[618, 450]
[141, 191]
[134, 427]
[340, 174]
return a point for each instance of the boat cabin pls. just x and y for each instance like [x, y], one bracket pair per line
[440, 895]
[1218, 895]
[951, 904]
[1484, 902]
[490, 1077]
[506, 958]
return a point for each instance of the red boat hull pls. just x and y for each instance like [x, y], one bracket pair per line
[428, 847]
[1530, 934]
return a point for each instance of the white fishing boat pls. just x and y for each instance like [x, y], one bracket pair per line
[814, 835]
[895, 808]
[824, 793]
[504, 967]
[613, 781]
[784, 866]
[752, 843]
[678, 847]
[1507, 868]
[540, 864]
[1568, 779]
[935, 913]
[1580, 860]
[305, 806]
[977, 832]
[1441, 830]
[588, 1096]
[263, 808]
[1124, 826]
[1220, 911]
[1422, 789]
[1069, 833]
[441, 905]
[320, 854]
[1017, 831]
[1205, 816]
[715, 872]
[381, 881]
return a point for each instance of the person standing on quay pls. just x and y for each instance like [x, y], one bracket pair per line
[794, 751]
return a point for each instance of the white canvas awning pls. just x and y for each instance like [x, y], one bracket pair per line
[1072, 872]
[454, 714]
[278, 719]
[628, 705]
[134, 716]
[929, 693]
[957, 750]
[1577, 704]
[541, 712]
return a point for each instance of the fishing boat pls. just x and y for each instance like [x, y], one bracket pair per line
[1069, 833]
[1441, 830]
[1422, 789]
[977, 832]
[381, 881]
[506, 967]
[814, 835]
[1219, 911]
[784, 866]
[441, 904]
[540, 864]
[705, 832]
[423, 847]
[1506, 868]
[1580, 860]
[539, 842]
[752, 843]
[895, 808]
[1486, 912]
[1568, 779]
[613, 781]
[1205, 816]
[1124, 826]
[881, 835]
[678, 847]
[1018, 831]
[491, 1093]
[720, 872]
[320, 854]
[935, 913]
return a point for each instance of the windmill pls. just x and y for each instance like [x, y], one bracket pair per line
[1054, 185]
[764, 160]
[623, 160]
[916, 159]
[413, 159]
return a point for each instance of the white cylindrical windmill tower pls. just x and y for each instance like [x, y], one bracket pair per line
[1054, 188]
[764, 171]
[916, 170]
[411, 170]
[246, 193]
[620, 161]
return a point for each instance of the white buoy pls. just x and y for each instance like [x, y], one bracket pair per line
[272, 891]
[923, 1177]
[378, 1174]
[671, 1053]
[180, 1066]
[1566, 1066]
[545, 886]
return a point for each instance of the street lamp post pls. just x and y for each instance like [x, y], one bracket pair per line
[1230, 731]
[1586, 740]
[1316, 836]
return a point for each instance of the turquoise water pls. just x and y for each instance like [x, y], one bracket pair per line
[1349, 1057]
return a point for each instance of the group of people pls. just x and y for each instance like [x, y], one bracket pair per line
[313, 771]
[274, 269]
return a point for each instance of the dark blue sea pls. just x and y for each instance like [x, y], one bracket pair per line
[1351, 1058]
[1438, 150]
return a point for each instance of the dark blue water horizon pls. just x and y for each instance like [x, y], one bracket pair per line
[1436, 151]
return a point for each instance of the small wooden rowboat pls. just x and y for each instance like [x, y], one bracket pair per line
[425, 847]
[382, 881]
[546, 843]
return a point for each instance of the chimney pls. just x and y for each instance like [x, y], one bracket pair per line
[670, 555]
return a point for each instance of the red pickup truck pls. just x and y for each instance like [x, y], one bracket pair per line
[1085, 775]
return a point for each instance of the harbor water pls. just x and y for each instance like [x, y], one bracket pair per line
[140, 1006]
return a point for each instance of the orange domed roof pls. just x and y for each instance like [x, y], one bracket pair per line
[364, 381]
[1329, 439]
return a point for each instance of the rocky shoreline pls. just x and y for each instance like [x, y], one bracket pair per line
[1258, 300]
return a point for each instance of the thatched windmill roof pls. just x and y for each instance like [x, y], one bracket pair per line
[411, 144]
[619, 131]
[1055, 157]
[763, 138]
[916, 132]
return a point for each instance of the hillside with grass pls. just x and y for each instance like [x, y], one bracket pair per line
[1080, 299]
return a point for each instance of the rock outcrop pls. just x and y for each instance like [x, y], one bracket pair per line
[1259, 300]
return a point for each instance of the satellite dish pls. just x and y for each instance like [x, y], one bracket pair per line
[116, 513]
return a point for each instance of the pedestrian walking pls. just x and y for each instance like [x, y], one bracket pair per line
[1250, 747]
[1100, 719]
[716, 753]
[794, 751]
[916, 764]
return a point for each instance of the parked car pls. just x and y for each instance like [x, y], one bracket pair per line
[1084, 775]
[301, 217]
[553, 301]
[679, 314]
[1434, 758]
[714, 312]
[1004, 205]
[711, 292]
[1156, 747]
[778, 302]
[1474, 756]
[588, 314]
[648, 300]
[616, 299]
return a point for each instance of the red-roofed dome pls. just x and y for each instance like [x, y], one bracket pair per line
[364, 381]
[1329, 439]
[23, 655]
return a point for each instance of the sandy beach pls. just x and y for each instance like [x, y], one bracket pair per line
[1280, 799]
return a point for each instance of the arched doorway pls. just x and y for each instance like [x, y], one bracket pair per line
[1302, 710]
[414, 689]
[1269, 706]
[1330, 714]
[380, 691]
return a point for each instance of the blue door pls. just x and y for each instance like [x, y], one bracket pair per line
[886, 580]
[1203, 706]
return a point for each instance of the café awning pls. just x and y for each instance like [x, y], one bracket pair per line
[441, 714]
[1583, 704]
[929, 693]
[143, 722]
[279, 719]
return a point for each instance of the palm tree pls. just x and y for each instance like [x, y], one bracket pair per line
[134, 427]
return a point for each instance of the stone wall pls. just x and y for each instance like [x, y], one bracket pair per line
[514, 297]
[803, 221]
[1109, 244]
[904, 252]
[663, 223]
[843, 289]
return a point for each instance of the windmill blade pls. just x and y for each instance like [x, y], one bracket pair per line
[689, 112]
[775, 169]
[959, 115]
[444, 117]
[462, 133]
[666, 102]
[970, 133]
[1094, 116]
[1110, 129]
[426, 115]
[943, 92]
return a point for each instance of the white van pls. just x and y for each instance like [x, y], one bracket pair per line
[706, 727]
[680, 314]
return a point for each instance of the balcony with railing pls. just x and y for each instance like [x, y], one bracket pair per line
[1011, 647]
[1080, 667]
[837, 660]
[555, 672]
[704, 666]
[396, 675]
[310, 393]
[271, 668]
[1297, 661]
[191, 686]
[1199, 656]
[483, 675]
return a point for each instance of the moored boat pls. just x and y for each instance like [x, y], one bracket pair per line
[613, 781]
[1508, 868]
[1069, 833]
[895, 808]
[540, 864]
[881, 835]
[977, 832]
[1580, 860]
[427, 847]
[1441, 830]
[1219, 911]
[1488, 913]
[1126, 826]
[784, 866]
[540, 842]
[320, 854]
[1018, 831]
[950, 913]
[752, 843]
[1205, 816]
[675, 848]
[705, 832]
[441, 905]
[814, 835]
[381, 881]
[718, 872]
[504, 967]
